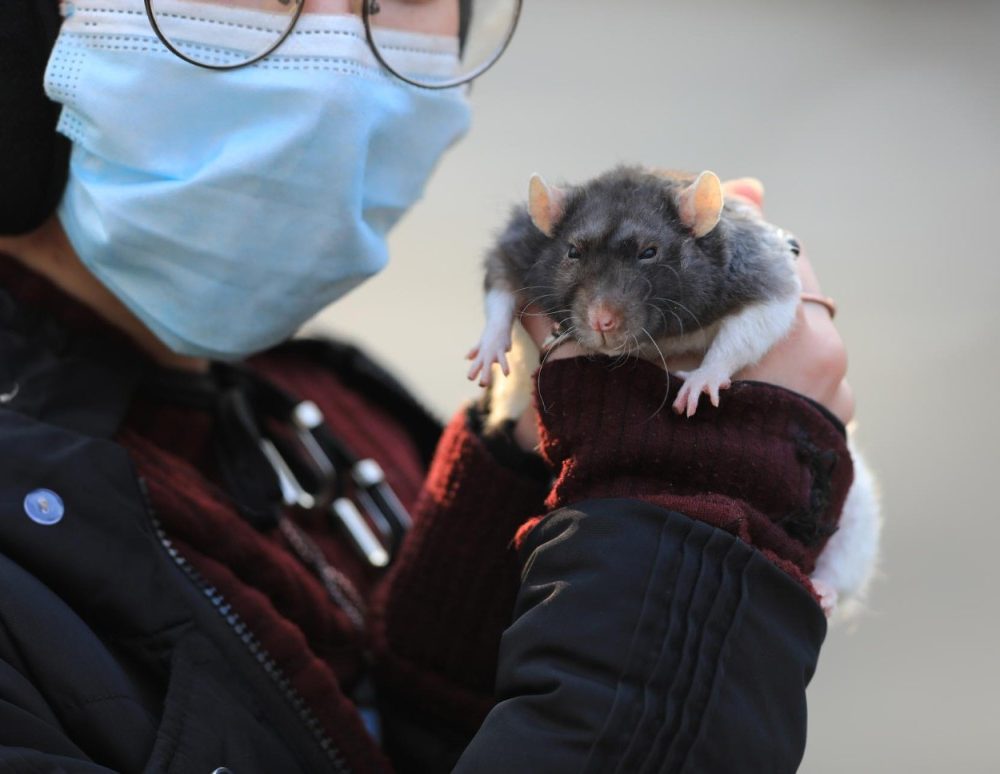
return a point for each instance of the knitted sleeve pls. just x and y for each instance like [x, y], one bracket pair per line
[768, 465]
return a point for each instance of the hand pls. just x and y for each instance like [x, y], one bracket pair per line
[811, 360]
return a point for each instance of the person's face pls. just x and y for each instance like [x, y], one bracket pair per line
[439, 17]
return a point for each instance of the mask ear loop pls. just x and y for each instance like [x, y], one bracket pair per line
[299, 5]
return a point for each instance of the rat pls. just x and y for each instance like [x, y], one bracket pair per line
[645, 262]
[655, 264]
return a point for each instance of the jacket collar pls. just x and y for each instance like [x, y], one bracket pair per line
[59, 362]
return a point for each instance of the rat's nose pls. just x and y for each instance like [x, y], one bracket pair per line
[603, 318]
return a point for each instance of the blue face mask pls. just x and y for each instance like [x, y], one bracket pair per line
[226, 208]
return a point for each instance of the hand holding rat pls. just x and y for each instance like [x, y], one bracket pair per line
[811, 360]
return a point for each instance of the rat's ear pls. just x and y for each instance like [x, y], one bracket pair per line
[546, 204]
[700, 204]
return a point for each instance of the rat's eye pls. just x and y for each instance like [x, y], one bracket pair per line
[574, 252]
[648, 254]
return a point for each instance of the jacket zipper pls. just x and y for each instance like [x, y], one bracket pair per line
[257, 650]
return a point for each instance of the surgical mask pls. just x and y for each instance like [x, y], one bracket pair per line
[227, 208]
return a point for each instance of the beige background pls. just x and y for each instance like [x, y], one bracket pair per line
[875, 127]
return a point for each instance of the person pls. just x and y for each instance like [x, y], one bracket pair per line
[183, 591]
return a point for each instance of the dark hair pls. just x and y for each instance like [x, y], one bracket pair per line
[34, 159]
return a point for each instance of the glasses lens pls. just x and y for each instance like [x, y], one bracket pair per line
[223, 33]
[441, 43]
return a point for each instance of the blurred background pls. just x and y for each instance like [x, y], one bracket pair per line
[876, 128]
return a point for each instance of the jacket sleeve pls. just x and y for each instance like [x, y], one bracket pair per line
[743, 497]
[643, 640]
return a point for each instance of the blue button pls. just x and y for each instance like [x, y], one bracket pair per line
[44, 506]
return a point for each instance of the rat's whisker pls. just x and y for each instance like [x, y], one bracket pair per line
[666, 392]
[621, 358]
[668, 266]
[693, 315]
[677, 317]
[645, 279]
[538, 299]
[680, 322]
[530, 287]
[659, 311]
[546, 314]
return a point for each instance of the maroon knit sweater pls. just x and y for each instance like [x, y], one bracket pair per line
[768, 466]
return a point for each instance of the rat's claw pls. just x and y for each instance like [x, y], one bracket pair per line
[697, 382]
[686, 401]
[682, 403]
[713, 390]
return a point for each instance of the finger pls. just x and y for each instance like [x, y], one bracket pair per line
[749, 189]
[842, 403]
[502, 360]
[475, 369]
[472, 353]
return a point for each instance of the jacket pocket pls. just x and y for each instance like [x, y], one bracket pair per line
[211, 720]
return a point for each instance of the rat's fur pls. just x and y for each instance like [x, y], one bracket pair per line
[730, 293]
[691, 284]
[849, 560]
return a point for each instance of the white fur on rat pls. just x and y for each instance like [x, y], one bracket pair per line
[849, 560]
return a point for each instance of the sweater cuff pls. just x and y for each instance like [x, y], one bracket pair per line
[438, 617]
[768, 464]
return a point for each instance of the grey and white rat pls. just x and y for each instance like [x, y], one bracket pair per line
[644, 262]
[657, 264]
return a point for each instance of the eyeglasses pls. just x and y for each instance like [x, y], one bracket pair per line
[477, 32]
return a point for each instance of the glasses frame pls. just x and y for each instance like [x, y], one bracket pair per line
[369, 8]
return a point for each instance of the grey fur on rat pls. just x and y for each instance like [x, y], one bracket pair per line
[647, 263]
[615, 216]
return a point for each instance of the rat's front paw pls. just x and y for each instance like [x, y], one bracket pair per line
[490, 350]
[701, 380]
